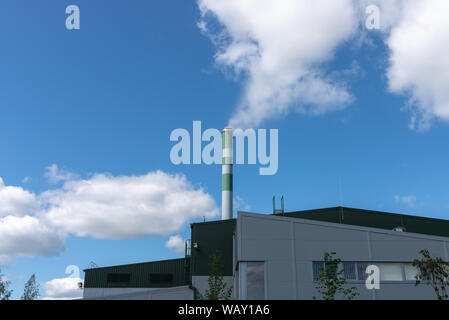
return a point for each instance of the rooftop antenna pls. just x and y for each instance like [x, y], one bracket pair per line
[342, 215]
[278, 211]
[340, 191]
[282, 204]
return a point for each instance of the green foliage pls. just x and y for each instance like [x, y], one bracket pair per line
[331, 281]
[434, 271]
[5, 294]
[217, 287]
[31, 290]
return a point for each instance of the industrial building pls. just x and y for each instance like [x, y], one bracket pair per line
[278, 256]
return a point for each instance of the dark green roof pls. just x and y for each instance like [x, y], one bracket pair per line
[140, 274]
[375, 219]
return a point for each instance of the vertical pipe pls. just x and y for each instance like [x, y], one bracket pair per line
[282, 204]
[227, 162]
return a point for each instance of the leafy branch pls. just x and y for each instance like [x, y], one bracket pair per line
[331, 281]
[434, 271]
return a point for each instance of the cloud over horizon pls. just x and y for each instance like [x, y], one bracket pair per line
[28, 236]
[62, 289]
[176, 243]
[124, 207]
[103, 207]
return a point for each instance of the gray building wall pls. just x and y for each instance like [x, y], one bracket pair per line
[288, 246]
[174, 293]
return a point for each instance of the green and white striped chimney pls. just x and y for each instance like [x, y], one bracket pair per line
[227, 162]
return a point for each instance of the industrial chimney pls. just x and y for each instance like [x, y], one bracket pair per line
[226, 191]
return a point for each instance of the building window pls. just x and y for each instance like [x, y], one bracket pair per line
[317, 268]
[361, 270]
[119, 278]
[251, 280]
[161, 279]
[390, 271]
[410, 272]
[349, 270]
[255, 281]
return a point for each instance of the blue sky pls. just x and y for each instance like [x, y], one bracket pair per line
[104, 100]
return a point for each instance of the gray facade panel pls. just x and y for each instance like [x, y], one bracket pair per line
[288, 246]
[280, 290]
[313, 240]
[276, 249]
[402, 248]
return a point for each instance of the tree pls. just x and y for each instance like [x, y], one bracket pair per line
[331, 282]
[31, 290]
[218, 289]
[5, 294]
[435, 271]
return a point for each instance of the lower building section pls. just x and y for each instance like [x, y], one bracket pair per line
[280, 257]
[201, 284]
[174, 293]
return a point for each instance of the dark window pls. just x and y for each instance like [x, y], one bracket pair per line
[349, 271]
[361, 270]
[317, 269]
[164, 279]
[119, 277]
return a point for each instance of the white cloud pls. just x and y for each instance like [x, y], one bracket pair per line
[102, 206]
[416, 33]
[390, 11]
[419, 67]
[279, 48]
[176, 243]
[28, 236]
[240, 204]
[409, 201]
[15, 201]
[26, 180]
[4, 259]
[55, 175]
[109, 207]
[62, 289]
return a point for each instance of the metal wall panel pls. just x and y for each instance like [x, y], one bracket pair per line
[140, 274]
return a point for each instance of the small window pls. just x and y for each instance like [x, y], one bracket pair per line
[349, 270]
[317, 269]
[361, 270]
[119, 277]
[164, 279]
[255, 279]
[410, 272]
[390, 271]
